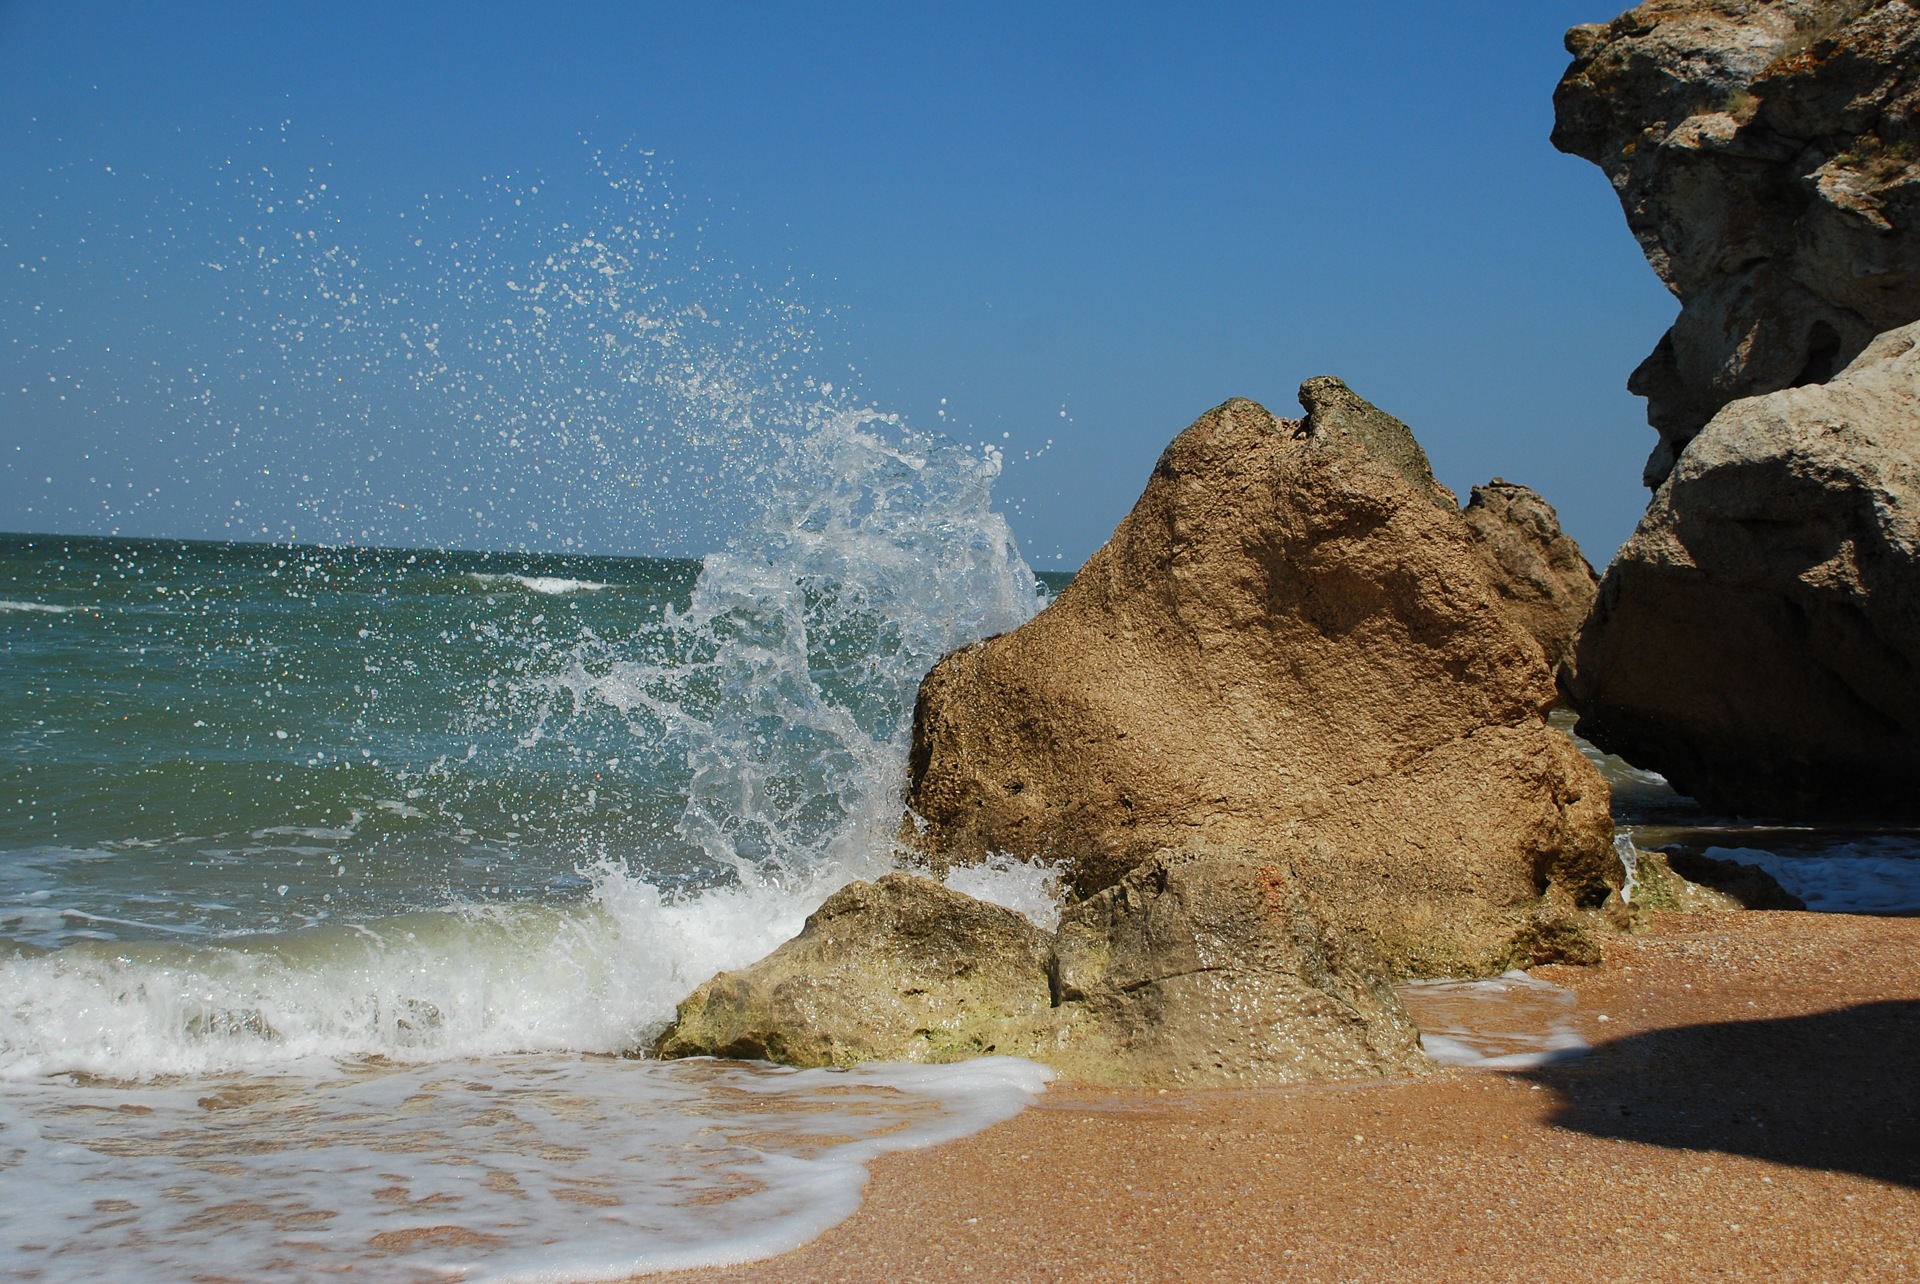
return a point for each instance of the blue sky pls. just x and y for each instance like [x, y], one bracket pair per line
[1126, 212]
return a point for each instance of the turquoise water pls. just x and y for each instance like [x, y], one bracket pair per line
[343, 889]
[204, 739]
[200, 739]
[298, 840]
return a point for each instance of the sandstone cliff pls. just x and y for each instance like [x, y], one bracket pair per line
[1767, 155]
[1757, 641]
[1292, 647]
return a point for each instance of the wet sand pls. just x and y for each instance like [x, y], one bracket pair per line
[1751, 1110]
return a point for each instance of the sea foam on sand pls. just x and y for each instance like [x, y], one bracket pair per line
[520, 1168]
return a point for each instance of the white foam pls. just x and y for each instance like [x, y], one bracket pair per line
[43, 608]
[1629, 859]
[550, 585]
[793, 742]
[1871, 876]
[474, 981]
[1511, 1022]
[483, 980]
[527, 1169]
[1032, 888]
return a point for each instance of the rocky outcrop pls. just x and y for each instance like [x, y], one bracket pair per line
[1217, 968]
[1537, 570]
[1690, 883]
[1757, 641]
[1203, 969]
[1767, 155]
[1289, 647]
[901, 969]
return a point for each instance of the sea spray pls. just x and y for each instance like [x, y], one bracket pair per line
[338, 864]
[783, 696]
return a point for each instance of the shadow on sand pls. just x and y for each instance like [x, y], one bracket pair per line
[1836, 1090]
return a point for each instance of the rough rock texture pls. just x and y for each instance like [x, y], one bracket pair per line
[1289, 647]
[1757, 641]
[1210, 968]
[1536, 569]
[1199, 970]
[1765, 154]
[901, 969]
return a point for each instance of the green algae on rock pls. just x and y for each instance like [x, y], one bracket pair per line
[900, 969]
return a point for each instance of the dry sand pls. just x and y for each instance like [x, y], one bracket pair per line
[1749, 1112]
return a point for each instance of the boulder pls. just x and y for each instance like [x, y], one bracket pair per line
[1215, 969]
[1196, 970]
[1767, 156]
[901, 969]
[1537, 570]
[1757, 640]
[1289, 647]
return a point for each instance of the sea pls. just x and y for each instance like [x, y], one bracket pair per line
[343, 891]
[345, 883]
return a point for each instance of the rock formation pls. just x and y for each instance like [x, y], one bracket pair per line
[1290, 647]
[1544, 582]
[1200, 970]
[901, 969]
[1209, 967]
[1694, 884]
[1757, 641]
[1767, 155]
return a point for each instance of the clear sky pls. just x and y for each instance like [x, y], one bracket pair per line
[999, 211]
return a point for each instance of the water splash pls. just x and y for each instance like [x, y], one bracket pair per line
[787, 684]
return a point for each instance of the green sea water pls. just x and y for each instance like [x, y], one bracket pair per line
[198, 739]
[206, 738]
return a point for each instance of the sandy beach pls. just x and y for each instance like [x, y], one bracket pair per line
[1748, 1111]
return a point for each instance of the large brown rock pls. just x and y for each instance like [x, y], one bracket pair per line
[1757, 641]
[1538, 571]
[1766, 156]
[1289, 647]
[1215, 968]
[1198, 969]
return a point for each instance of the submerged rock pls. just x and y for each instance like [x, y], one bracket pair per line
[1767, 156]
[1289, 647]
[1195, 970]
[1757, 641]
[1538, 571]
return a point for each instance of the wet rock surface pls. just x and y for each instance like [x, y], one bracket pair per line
[1757, 641]
[1290, 647]
[1694, 884]
[1767, 156]
[901, 969]
[1197, 970]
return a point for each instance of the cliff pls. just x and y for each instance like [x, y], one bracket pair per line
[1767, 156]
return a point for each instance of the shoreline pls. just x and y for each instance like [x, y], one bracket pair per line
[1748, 1109]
